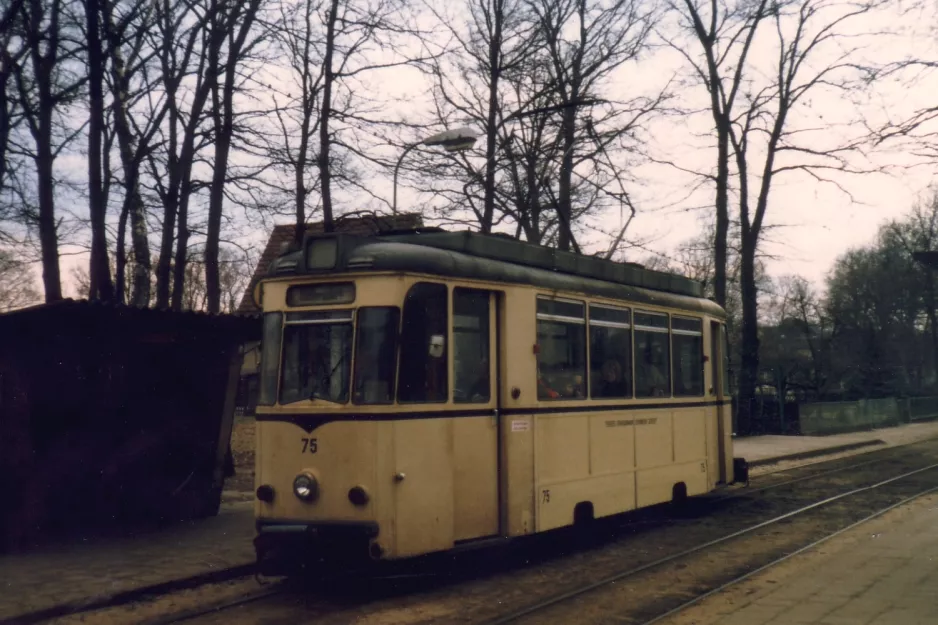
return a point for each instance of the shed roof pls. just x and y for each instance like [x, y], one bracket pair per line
[70, 316]
[281, 236]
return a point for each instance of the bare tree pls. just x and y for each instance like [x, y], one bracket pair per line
[299, 36]
[17, 286]
[46, 86]
[815, 50]
[724, 31]
[494, 40]
[184, 41]
[101, 285]
[586, 42]
[125, 30]
[10, 57]
[360, 38]
[239, 30]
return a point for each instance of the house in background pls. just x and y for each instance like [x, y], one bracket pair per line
[280, 239]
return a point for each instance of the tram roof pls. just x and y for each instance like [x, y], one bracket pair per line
[492, 258]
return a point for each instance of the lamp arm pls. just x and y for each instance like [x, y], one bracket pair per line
[397, 168]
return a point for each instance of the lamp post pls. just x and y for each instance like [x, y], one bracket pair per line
[455, 140]
[460, 139]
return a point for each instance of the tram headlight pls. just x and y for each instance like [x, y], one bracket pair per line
[305, 487]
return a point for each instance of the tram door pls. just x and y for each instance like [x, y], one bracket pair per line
[720, 389]
[475, 435]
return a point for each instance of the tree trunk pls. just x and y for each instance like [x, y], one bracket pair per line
[48, 235]
[130, 162]
[749, 365]
[99, 269]
[325, 177]
[48, 230]
[40, 125]
[222, 121]
[120, 270]
[140, 296]
[564, 195]
[224, 130]
[299, 173]
[722, 217]
[491, 128]
[170, 208]
[182, 249]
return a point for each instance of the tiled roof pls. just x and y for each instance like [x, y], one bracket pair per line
[283, 235]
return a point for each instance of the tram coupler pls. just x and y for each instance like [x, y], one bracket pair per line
[740, 471]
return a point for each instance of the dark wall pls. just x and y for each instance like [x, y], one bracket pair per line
[111, 423]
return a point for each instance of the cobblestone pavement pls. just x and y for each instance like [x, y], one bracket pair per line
[881, 573]
[84, 572]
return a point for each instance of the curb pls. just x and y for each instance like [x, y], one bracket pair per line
[813, 453]
[127, 596]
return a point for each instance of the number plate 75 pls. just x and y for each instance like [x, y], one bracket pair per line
[309, 444]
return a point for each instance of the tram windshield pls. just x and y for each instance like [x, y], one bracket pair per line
[317, 356]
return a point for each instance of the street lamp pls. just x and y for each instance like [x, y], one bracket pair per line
[456, 140]
[460, 139]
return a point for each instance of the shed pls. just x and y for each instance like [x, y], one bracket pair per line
[112, 416]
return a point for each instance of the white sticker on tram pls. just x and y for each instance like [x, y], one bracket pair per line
[520, 425]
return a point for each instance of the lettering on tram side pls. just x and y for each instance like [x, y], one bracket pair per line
[612, 423]
[545, 496]
[310, 445]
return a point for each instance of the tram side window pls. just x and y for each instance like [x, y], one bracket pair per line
[471, 346]
[270, 358]
[610, 352]
[422, 368]
[687, 353]
[652, 361]
[375, 350]
[561, 358]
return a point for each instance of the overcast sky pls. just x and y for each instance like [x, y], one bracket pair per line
[814, 223]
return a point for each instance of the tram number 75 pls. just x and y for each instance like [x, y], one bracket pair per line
[309, 444]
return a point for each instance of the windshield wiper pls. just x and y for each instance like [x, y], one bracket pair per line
[318, 395]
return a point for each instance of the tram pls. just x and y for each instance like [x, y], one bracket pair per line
[421, 390]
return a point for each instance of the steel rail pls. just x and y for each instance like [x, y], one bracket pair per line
[577, 592]
[799, 551]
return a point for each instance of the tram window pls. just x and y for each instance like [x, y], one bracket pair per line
[317, 355]
[375, 350]
[471, 346]
[652, 355]
[422, 369]
[610, 352]
[270, 358]
[687, 354]
[561, 357]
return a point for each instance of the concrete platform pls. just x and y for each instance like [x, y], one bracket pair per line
[51, 582]
[881, 573]
[765, 450]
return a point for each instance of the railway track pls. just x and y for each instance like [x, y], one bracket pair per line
[920, 488]
[739, 513]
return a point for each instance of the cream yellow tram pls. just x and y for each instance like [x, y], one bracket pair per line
[424, 389]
